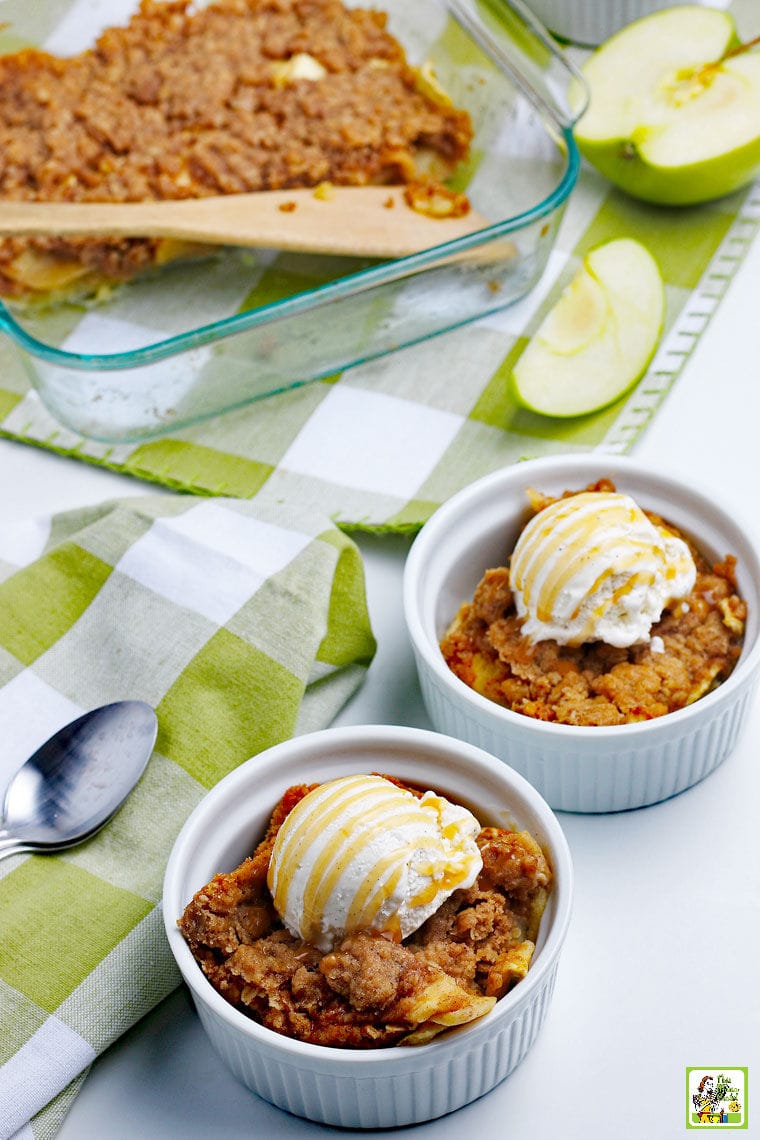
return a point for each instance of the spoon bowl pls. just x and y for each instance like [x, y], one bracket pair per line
[76, 781]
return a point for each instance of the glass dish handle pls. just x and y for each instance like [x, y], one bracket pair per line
[521, 46]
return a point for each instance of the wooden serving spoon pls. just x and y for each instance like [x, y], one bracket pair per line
[371, 221]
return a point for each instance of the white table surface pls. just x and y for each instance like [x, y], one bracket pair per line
[659, 970]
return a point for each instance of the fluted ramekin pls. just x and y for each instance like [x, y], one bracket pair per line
[582, 769]
[373, 1088]
[590, 22]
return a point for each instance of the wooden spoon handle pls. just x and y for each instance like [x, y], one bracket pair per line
[372, 221]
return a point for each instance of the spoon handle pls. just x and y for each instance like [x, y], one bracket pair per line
[351, 220]
[9, 845]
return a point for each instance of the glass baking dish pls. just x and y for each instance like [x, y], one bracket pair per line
[195, 339]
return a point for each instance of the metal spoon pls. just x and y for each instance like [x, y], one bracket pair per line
[78, 779]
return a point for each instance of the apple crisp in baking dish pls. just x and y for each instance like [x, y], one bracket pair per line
[238, 96]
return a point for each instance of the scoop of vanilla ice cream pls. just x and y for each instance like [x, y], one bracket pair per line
[593, 567]
[359, 853]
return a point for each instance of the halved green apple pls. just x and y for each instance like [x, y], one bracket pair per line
[674, 110]
[598, 338]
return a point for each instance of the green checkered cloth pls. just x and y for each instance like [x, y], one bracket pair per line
[242, 625]
[382, 445]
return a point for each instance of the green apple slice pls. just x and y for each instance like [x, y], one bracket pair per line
[674, 110]
[598, 338]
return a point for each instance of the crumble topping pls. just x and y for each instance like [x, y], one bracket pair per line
[242, 95]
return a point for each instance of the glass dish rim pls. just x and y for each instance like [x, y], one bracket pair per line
[342, 288]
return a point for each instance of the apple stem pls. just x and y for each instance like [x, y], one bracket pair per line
[705, 74]
[734, 51]
[741, 48]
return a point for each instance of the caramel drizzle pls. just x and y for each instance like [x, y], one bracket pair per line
[293, 840]
[368, 805]
[566, 535]
[343, 849]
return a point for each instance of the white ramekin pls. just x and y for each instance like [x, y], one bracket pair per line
[590, 22]
[583, 769]
[376, 1088]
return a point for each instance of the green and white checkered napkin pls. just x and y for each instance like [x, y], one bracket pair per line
[242, 625]
[382, 445]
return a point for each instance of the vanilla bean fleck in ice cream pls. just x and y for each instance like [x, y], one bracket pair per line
[360, 853]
